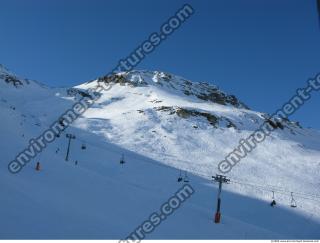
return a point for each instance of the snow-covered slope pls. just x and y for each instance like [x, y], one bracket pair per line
[162, 124]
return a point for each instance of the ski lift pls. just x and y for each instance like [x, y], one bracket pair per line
[122, 161]
[180, 177]
[83, 146]
[186, 178]
[293, 202]
[273, 202]
[38, 166]
[61, 123]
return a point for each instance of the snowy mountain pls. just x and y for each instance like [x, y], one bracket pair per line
[164, 125]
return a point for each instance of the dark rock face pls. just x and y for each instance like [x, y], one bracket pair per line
[187, 113]
[83, 93]
[184, 113]
[275, 124]
[207, 92]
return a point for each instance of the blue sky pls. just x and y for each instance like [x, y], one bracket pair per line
[259, 50]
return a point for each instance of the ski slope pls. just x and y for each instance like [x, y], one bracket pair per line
[161, 126]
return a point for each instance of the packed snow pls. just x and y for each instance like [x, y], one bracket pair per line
[162, 125]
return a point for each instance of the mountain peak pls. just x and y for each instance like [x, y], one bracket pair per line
[202, 90]
[10, 78]
[4, 69]
[17, 81]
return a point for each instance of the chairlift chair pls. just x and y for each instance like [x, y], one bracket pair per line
[83, 146]
[273, 202]
[186, 178]
[180, 177]
[293, 203]
[122, 161]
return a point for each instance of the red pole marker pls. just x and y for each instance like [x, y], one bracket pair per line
[217, 218]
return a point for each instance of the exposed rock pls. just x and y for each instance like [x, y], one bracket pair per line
[275, 124]
[186, 113]
[84, 93]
